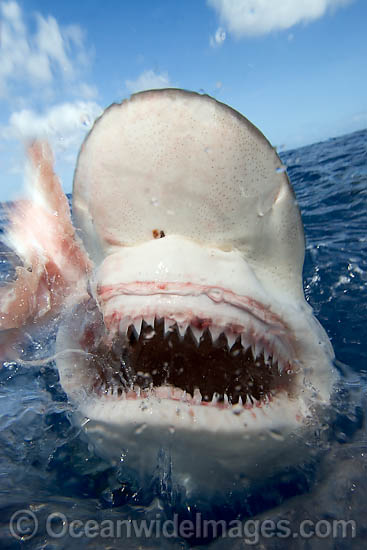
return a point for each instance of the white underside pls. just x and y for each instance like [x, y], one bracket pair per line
[209, 449]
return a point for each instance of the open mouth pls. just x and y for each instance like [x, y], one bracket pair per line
[190, 364]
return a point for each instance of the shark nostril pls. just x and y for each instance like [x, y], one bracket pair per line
[158, 234]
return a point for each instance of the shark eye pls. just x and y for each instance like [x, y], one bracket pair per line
[181, 366]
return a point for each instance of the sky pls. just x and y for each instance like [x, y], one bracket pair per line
[296, 68]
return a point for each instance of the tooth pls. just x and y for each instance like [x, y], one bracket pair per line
[248, 401]
[245, 342]
[124, 325]
[177, 393]
[240, 403]
[226, 400]
[164, 392]
[137, 325]
[197, 396]
[258, 349]
[214, 333]
[149, 333]
[266, 356]
[281, 366]
[231, 338]
[253, 349]
[168, 324]
[215, 398]
[149, 320]
[197, 333]
[182, 329]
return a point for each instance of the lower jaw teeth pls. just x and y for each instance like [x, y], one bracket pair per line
[177, 394]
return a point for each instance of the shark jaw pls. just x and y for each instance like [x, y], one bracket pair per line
[165, 345]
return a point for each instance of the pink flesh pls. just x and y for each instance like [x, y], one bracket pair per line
[54, 262]
[147, 288]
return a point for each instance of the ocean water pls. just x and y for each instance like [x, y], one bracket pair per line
[47, 468]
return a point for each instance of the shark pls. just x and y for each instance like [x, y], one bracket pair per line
[177, 288]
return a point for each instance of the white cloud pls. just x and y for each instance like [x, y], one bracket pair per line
[41, 58]
[43, 94]
[256, 17]
[86, 91]
[148, 80]
[64, 125]
[218, 38]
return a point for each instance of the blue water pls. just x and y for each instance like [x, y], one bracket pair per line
[45, 465]
[330, 180]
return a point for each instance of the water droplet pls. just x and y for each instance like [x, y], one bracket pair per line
[108, 496]
[149, 334]
[275, 434]
[140, 429]
[215, 294]
[84, 422]
[281, 169]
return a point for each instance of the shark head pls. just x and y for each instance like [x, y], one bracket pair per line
[196, 334]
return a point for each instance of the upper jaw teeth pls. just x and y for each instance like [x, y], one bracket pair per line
[268, 345]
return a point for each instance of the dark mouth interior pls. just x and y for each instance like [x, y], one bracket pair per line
[153, 360]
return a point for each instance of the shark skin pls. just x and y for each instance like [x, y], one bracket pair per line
[178, 286]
